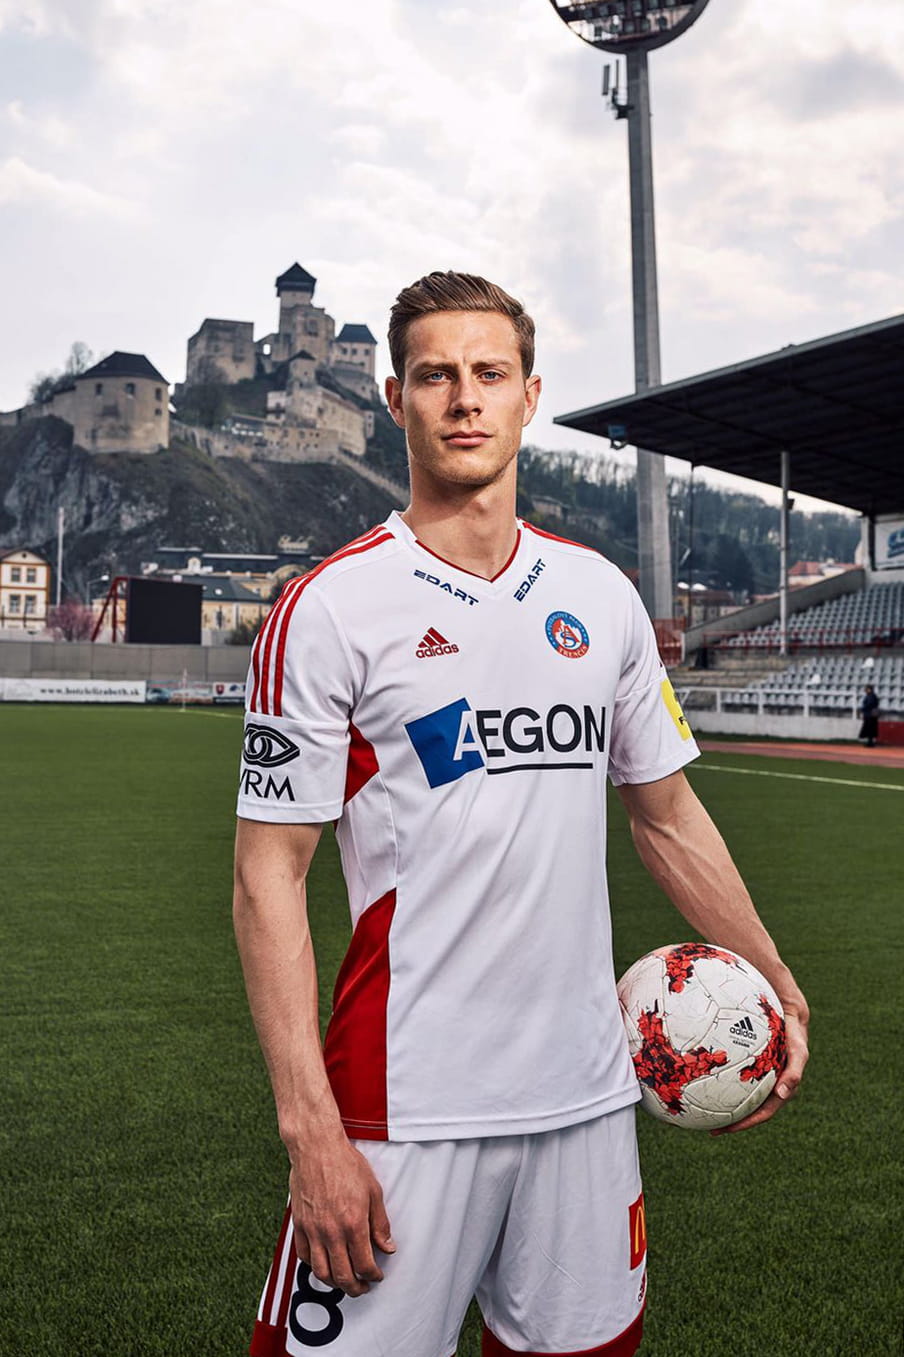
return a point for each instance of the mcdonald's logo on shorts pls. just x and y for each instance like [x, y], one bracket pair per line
[637, 1228]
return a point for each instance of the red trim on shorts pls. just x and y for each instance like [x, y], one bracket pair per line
[267, 1341]
[273, 1278]
[362, 763]
[624, 1345]
[472, 573]
[355, 1046]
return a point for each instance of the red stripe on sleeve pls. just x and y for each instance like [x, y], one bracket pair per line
[280, 661]
[355, 1046]
[263, 646]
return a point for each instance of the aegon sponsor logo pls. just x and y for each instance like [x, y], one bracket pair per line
[447, 588]
[457, 739]
[533, 575]
[253, 784]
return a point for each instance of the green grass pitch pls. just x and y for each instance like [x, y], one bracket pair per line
[142, 1176]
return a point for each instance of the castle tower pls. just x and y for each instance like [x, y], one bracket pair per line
[301, 324]
[119, 405]
[355, 347]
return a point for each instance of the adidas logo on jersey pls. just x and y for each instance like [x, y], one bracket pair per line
[434, 643]
[744, 1029]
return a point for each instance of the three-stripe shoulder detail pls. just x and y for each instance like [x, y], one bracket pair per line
[268, 655]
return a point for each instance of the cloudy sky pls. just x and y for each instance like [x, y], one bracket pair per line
[161, 162]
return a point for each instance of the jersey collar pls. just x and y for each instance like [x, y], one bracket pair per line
[400, 530]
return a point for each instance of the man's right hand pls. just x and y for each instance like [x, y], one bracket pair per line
[338, 1216]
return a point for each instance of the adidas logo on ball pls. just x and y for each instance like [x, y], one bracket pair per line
[744, 1029]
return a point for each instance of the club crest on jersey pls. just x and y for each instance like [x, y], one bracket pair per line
[567, 635]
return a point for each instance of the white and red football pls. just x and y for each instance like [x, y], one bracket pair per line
[706, 1033]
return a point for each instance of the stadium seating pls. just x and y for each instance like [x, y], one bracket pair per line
[873, 616]
[825, 684]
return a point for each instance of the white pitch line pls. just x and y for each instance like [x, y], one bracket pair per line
[797, 777]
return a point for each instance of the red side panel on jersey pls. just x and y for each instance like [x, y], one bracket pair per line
[362, 763]
[355, 1046]
[625, 1345]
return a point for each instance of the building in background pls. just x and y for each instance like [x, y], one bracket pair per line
[121, 404]
[24, 590]
[321, 384]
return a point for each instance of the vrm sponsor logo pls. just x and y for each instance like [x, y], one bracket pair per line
[253, 785]
[434, 643]
[456, 739]
[447, 588]
[267, 748]
[526, 585]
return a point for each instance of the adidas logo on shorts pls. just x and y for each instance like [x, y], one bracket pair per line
[434, 643]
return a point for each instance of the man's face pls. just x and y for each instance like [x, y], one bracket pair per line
[464, 399]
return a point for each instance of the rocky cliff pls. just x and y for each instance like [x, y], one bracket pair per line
[120, 508]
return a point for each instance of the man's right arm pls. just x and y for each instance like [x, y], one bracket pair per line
[337, 1204]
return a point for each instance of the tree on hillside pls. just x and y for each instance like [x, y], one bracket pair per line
[47, 384]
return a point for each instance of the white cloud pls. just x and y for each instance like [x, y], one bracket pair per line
[23, 185]
[402, 135]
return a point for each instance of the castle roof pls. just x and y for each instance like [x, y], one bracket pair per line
[303, 353]
[356, 334]
[123, 365]
[223, 589]
[296, 279]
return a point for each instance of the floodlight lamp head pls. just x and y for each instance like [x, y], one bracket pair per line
[628, 25]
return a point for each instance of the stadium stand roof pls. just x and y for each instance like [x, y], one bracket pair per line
[836, 405]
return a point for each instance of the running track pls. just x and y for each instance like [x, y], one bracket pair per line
[882, 756]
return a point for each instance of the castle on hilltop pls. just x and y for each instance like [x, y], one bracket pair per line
[121, 404]
[320, 401]
[327, 380]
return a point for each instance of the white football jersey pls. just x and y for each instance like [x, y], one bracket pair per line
[460, 731]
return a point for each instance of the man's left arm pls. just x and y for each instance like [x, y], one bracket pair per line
[686, 855]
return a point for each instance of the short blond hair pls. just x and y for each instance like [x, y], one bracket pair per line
[455, 292]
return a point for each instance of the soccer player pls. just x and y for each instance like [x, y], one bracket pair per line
[453, 690]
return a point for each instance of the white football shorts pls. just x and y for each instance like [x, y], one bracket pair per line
[547, 1230]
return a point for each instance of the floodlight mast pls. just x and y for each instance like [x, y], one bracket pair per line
[632, 28]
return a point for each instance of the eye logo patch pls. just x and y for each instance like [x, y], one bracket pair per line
[265, 747]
